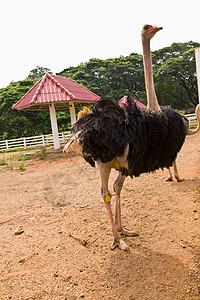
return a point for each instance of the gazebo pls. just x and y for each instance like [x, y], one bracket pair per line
[53, 93]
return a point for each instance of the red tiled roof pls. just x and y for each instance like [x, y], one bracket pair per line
[139, 104]
[58, 90]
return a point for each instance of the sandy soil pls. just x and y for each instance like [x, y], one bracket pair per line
[64, 249]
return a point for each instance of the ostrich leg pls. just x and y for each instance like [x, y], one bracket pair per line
[118, 222]
[176, 175]
[170, 177]
[105, 172]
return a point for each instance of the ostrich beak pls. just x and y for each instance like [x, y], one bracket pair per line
[159, 28]
[155, 29]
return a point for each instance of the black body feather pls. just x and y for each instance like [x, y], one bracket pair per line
[154, 140]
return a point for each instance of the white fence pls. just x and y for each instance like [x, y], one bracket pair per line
[192, 119]
[33, 141]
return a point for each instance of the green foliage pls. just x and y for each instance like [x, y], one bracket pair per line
[38, 72]
[21, 166]
[175, 75]
[2, 162]
[182, 112]
[9, 162]
[110, 78]
[43, 153]
[23, 157]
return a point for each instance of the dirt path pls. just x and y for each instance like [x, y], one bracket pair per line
[64, 251]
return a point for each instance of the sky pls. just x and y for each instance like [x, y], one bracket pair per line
[63, 33]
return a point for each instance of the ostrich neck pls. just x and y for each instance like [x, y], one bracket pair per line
[152, 102]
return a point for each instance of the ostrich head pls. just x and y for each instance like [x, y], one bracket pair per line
[148, 31]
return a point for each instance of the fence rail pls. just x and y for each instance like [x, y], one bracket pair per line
[33, 141]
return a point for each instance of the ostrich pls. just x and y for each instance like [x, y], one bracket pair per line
[129, 140]
[148, 32]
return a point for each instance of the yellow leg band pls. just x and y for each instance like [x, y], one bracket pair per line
[107, 198]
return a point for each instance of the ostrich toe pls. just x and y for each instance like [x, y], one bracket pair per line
[179, 179]
[128, 232]
[169, 178]
[120, 244]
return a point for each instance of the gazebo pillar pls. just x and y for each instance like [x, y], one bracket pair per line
[54, 126]
[72, 112]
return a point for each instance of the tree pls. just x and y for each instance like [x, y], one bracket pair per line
[38, 72]
[114, 77]
[175, 74]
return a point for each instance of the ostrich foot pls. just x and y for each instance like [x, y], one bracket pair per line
[179, 179]
[127, 232]
[169, 178]
[120, 244]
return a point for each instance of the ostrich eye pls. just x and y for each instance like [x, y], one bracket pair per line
[146, 27]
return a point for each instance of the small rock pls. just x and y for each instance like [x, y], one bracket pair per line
[82, 295]
[19, 230]
[183, 246]
[22, 260]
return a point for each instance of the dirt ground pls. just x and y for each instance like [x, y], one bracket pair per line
[63, 251]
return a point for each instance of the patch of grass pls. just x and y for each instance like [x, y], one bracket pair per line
[12, 150]
[24, 157]
[2, 162]
[181, 112]
[21, 166]
[9, 162]
[43, 153]
[18, 149]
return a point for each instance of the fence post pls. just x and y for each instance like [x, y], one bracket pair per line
[43, 141]
[197, 56]
[7, 147]
[63, 137]
[24, 139]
